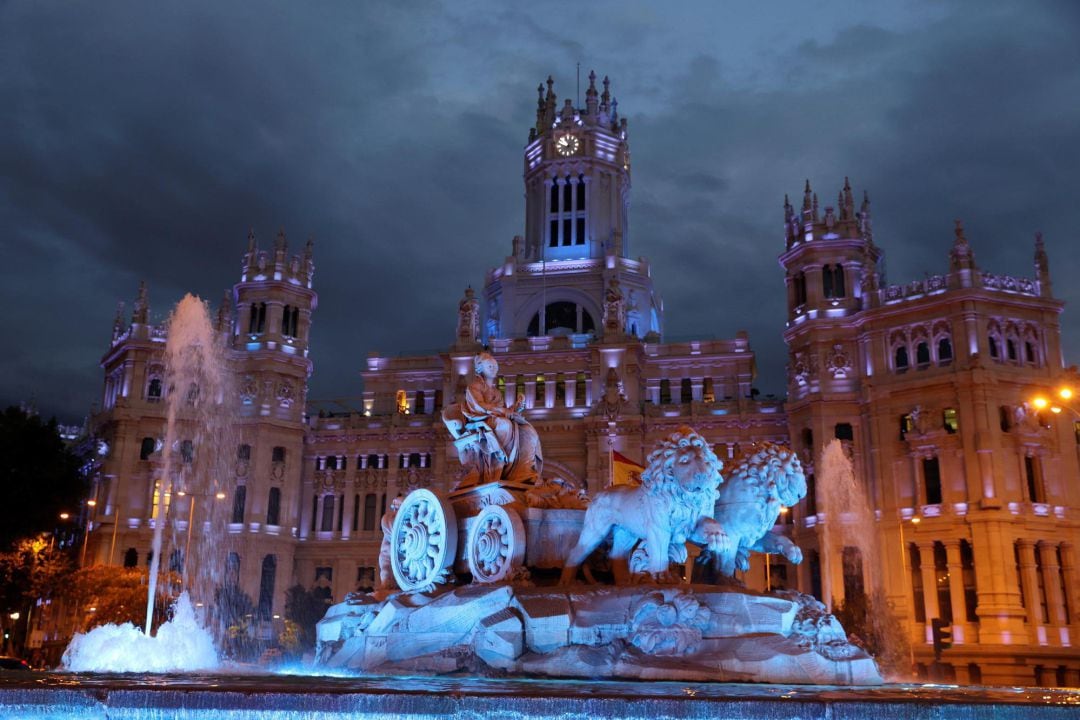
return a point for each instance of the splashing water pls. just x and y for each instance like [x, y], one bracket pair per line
[187, 517]
[182, 644]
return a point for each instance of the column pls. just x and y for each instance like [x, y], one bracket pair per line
[1055, 600]
[350, 507]
[1030, 583]
[550, 379]
[509, 394]
[571, 389]
[305, 513]
[961, 622]
[1072, 582]
[929, 581]
[530, 392]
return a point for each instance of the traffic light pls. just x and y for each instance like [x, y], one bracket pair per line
[942, 634]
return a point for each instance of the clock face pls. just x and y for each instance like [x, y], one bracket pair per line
[567, 144]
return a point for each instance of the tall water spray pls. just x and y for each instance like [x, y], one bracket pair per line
[198, 455]
[198, 428]
[852, 523]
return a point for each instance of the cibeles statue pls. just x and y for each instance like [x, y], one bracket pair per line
[494, 441]
[673, 505]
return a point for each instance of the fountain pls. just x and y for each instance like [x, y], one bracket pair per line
[525, 638]
[198, 437]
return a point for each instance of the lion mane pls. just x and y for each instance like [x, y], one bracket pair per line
[663, 511]
[759, 483]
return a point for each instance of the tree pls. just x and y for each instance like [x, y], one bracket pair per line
[116, 595]
[40, 477]
[32, 568]
[305, 608]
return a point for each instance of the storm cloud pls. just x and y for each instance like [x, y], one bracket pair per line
[142, 140]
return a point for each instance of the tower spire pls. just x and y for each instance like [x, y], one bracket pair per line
[592, 104]
[141, 312]
[1042, 266]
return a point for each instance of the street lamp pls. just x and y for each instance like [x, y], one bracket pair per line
[191, 519]
[915, 520]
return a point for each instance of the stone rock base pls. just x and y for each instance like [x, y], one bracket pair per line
[694, 633]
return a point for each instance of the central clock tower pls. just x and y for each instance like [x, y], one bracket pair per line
[573, 264]
[577, 177]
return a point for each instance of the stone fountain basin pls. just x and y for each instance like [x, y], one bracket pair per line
[697, 632]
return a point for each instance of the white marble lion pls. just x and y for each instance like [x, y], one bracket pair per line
[672, 505]
[748, 504]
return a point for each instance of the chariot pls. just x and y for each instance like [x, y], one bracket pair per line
[492, 531]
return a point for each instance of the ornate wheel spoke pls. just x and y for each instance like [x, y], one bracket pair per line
[495, 544]
[424, 540]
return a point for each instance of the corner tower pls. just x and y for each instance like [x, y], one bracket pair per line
[576, 242]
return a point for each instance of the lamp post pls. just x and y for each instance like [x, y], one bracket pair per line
[915, 520]
[191, 519]
[90, 505]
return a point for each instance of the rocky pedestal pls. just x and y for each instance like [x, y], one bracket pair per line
[697, 632]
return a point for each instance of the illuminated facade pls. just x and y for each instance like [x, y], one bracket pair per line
[925, 383]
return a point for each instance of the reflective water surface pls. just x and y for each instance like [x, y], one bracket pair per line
[285, 696]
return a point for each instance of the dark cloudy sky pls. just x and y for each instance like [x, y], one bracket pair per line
[141, 140]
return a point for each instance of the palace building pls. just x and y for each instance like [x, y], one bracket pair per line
[928, 385]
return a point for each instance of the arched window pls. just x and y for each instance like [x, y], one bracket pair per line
[827, 281]
[266, 587]
[995, 352]
[290, 321]
[153, 391]
[327, 514]
[239, 501]
[1010, 349]
[131, 558]
[944, 350]
[900, 358]
[1029, 352]
[799, 281]
[839, 289]
[922, 354]
[273, 506]
[146, 448]
[369, 512]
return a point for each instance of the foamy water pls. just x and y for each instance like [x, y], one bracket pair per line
[182, 644]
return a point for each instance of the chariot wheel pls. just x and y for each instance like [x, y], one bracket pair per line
[495, 546]
[423, 541]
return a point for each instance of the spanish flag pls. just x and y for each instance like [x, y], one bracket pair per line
[624, 471]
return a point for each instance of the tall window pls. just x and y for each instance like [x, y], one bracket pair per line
[369, 512]
[941, 578]
[131, 558]
[266, 587]
[579, 390]
[278, 454]
[273, 507]
[922, 354]
[686, 390]
[239, 501]
[1034, 481]
[541, 392]
[257, 323]
[971, 595]
[243, 452]
[811, 495]
[900, 358]
[827, 281]
[916, 583]
[327, 514]
[995, 350]
[146, 448]
[153, 391]
[356, 512]
[232, 569]
[944, 351]
[1064, 590]
[854, 586]
[290, 321]
[187, 451]
[1010, 349]
[798, 282]
[566, 211]
[932, 480]
[665, 392]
